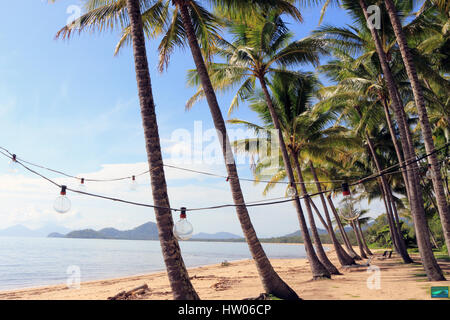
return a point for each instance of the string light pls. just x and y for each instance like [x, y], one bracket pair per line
[291, 191]
[183, 229]
[13, 165]
[133, 185]
[62, 203]
[265, 202]
[348, 212]
[430, 173]
[82, 185]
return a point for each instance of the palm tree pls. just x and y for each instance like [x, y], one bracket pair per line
[343, 257]
[109, 14]
[271, 281]
[176, 270]
[431, 266]
[423, 118]
[252, 56]
[303, 132]
[360, 84]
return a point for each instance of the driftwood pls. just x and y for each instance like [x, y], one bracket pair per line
[262, 296]
[128, 295]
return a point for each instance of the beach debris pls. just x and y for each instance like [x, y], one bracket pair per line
[225, 263]
[224, 284]
[262, 296]
[131, 294]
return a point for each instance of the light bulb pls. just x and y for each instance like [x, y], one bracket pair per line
[430, 174]
[183, 229]
[359, 188]
[62, 203]
[82, 185]
[133, 185]
[348, 212]
[13, 165]
[291, 191]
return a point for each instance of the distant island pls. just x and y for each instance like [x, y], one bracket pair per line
[149, 231]
[146, 231]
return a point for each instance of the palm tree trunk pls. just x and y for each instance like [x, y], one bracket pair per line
[364, 242]
[182, 288]
[423, 118]
[397, 239]
[432, 269]
[389, 217]
[271, 281]
[318, 214]
[318, 243]
[358, 239]
[400, 157]
[318, 269]
[343, 257]
[347, 243]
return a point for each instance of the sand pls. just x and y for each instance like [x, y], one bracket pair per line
[240, 280]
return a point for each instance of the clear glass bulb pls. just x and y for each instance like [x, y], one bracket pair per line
[359, 188]
[82, 186]
[183, 229]
[14, 166]
[291, 191]
[134, 184]
[348, 212]
[430, 173]
[62, 204]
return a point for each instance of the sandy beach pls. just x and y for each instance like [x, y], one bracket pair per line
[239, 280]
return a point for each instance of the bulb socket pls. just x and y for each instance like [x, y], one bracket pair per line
[14, 158]
[82, 180]
[133, 178]
[63, 190]
[345, 189]
[183, 213]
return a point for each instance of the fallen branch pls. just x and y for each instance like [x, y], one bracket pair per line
[127, 295]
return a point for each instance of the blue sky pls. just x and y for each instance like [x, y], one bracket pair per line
[72, 105]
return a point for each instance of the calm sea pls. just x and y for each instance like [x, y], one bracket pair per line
[31, 262]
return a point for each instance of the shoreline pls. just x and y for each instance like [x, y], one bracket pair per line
[240, 280]
[60, 283]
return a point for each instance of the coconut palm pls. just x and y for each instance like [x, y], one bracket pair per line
[178, 276]
[405, 51]
[189, 21]
[256, 52]
[359, 11]
[305, 134]
[360, 83]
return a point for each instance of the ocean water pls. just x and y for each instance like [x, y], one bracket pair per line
[32, 262]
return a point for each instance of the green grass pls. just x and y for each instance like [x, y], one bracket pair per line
[442, 256]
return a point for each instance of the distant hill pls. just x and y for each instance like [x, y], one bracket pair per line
[215, 236]
[299, 234]
[146, 231]
[56, 235]
[22, 231]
